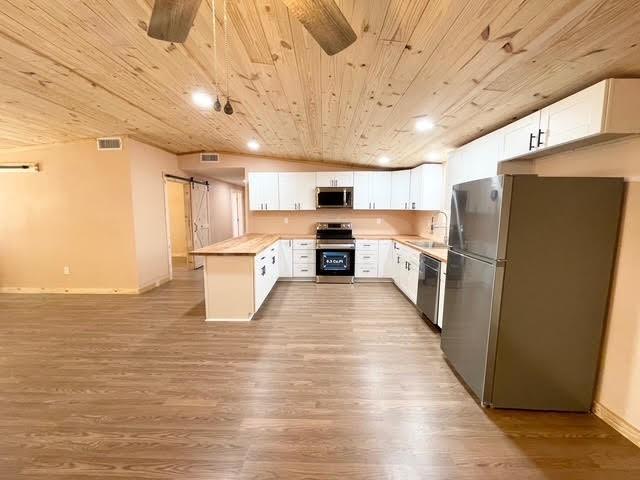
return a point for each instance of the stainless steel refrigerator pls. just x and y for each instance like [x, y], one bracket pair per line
[528, 277]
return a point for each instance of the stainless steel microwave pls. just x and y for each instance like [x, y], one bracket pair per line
[334, 197]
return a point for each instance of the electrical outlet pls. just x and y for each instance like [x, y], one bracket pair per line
[286, 219]
[66, 270]
[378, 221]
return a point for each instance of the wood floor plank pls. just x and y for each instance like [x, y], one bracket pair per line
[328, 382]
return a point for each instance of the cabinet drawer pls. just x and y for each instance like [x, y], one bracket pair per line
[304, 244]
[367, 245]
[366, 257]
[367, 270]
[302, 270]
[304, 257]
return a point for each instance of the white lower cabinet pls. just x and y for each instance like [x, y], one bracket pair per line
[366, 258]
[285, 249]
[385, 258]
[406, 270]
[304, 258]
[266, 271]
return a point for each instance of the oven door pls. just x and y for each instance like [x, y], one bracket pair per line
[335, 262]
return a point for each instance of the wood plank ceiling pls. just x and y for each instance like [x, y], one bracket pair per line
[72, 69]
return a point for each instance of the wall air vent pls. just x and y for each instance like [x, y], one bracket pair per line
[209, 157]
[110, 143]
[19, 168]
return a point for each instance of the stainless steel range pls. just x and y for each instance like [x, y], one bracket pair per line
[335, 253]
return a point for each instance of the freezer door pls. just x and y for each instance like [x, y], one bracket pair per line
[471, 307]
[479, 216]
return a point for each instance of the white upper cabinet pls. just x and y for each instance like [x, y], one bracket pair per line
[520, 137]
[431, 183]
[334, 179]
[361, 190]
[606, 110]
[401, 190]
[577, 116]
[372, 190]
[297, 190]
[415, 188]
[263, 191]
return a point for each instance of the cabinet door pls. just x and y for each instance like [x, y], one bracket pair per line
[256, 200]
[263, 191]
[297, 190]
[270, 191]
[285, 264]
[520, 137]
[431, 186]
[415, 188]
[334, 179]
[380, 190]
[574, 117]
[288, 191]
[361, 199]
[400, 189]
[385, 259]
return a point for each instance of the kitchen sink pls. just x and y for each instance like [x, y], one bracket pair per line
[428, 244]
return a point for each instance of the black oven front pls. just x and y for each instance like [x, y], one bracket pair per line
[335, 262]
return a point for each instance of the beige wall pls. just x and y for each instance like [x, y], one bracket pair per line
[619, 378]
[76, 211]
[177, 220]
[148, 166]
[220, 209]
[365, 222]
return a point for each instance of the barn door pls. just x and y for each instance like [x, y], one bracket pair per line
[199, 219]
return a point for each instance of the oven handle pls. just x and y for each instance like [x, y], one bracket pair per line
[341, 246]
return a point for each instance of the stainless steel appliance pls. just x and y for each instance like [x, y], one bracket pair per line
[528, 278]
[334, 197]
[429, 288]
[335, 253]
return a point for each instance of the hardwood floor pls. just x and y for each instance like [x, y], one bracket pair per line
[329, 382]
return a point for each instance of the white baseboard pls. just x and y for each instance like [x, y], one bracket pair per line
[86, 291]
[619, 424]
[71, 291]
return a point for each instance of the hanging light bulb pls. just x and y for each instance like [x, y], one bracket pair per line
[217, 106]
[228, 109]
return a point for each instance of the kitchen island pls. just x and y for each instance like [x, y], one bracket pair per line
[240, 272]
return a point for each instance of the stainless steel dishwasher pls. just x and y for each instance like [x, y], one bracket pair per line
[429, 288]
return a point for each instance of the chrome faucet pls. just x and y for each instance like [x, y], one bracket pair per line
[445, 226]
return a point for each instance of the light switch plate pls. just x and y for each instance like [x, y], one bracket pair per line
[286, 219]
[66, 270]
[378, 221]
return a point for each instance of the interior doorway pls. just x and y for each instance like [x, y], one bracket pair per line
[187, 216]
[237, 212]
[178, 212]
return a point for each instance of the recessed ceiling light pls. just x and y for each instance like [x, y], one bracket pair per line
[423, 124]
[384, 160]
[253, 145]
[434, 156]
[202, 100]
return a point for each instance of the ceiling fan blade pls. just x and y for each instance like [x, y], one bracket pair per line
[325, 22]
[171, 20]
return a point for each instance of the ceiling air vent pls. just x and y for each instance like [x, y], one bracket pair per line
[110, 143]
[209, 157]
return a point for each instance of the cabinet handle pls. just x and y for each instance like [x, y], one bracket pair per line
[264, 270]
[304, 270]
[369, 205]
[531, 137]
[366, 257]
[365, 271]
[413, 205]
[540, 133]
[374, 205]
[273, 259]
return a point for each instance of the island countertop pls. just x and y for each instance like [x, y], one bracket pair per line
[254, 243]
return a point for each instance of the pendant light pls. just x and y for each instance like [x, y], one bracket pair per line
[217, 106]
[228, 108]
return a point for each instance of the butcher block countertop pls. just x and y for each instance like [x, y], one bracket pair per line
[254, 243]
[249, 244]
